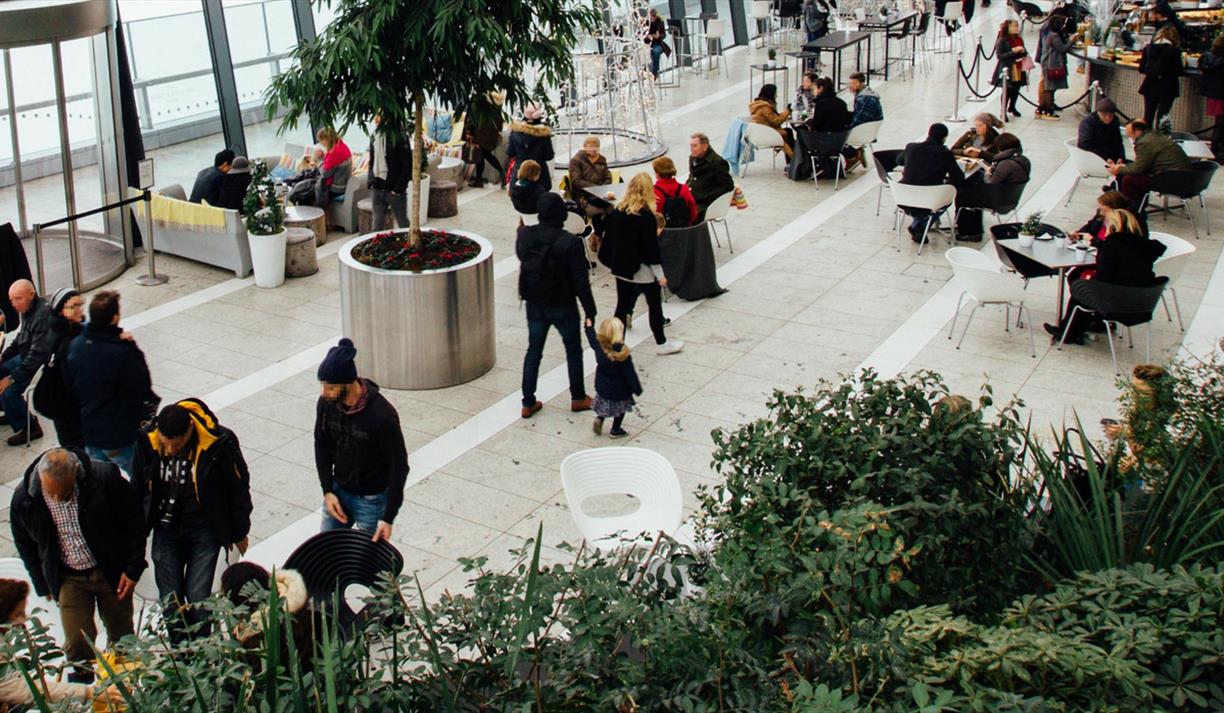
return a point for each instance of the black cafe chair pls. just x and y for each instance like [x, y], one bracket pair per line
[823, 147]
[1118, 306]
[331, 561]
[1183, 185]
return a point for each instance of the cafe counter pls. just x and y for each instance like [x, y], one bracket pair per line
[1120, 81]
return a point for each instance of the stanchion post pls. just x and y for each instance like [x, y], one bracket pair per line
[977, 73]
[39, 272]
[1094, 92]
[955, 116]
[152, 278]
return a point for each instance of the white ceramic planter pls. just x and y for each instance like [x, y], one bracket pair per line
[1026, 239]
[268, 258]
[420, 330]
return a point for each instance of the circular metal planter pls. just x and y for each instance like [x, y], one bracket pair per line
[420, 330]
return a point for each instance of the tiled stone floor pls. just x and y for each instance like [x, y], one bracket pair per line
[817, 288]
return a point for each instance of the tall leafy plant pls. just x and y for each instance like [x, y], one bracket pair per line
[388, 58]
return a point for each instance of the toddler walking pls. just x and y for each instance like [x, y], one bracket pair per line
[616, 381]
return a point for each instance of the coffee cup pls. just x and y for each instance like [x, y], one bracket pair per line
[1060, 241]
[1081, 253]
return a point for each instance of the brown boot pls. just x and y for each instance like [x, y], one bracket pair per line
[529, 411]
[582, 404]
[23, 437]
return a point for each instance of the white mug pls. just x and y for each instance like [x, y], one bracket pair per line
[1060, 241]
[1081, 254]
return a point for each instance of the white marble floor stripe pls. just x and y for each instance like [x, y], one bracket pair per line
[1203, 333]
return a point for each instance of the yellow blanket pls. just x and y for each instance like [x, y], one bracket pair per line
[184, 215]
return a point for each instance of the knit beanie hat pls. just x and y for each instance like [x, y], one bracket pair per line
[61, 297]
[338, 366]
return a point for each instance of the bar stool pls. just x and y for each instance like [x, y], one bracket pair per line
[715, 29]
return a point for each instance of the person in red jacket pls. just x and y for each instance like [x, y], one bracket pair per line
[338, 157]
[666, 188]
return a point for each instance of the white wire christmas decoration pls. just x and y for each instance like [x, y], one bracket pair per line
[613, 96]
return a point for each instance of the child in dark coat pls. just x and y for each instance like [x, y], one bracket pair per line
[616, 381]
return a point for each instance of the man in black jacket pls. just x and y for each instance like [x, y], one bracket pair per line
[1101, 133]
[388, 177]
[77, 526]
[24, 356]
[709, 174]
[553, 271]
[207, 186]
[929, 163]
[359, 448]
[111, 380]
[196, 493]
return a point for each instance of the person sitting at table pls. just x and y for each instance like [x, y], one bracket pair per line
[978, 142]
[1154, 153]
[829, 112]
[1101, 133]
[1109, 201]
[1009, 167]
[709, 174]
[207, 187]
[525, 192]
[867, 106]
[764, 110]
[805, 95]
[668, 191]
[234, 184]
[928, 163]
[1125, 258]
[588, 168]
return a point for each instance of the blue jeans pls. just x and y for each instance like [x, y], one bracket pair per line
[568, 323]
[14, 405]
[363, 511]
[121, 457]
[184, 563]
[656, 55]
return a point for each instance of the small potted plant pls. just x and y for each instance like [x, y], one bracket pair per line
[265, 226]
[1029, 229]
[773, 57]
[1091, 38]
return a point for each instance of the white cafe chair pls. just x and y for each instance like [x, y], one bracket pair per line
[862, 137]
[637, 472]
[1171, 265]
[716, 214]
[983, 280]
[930, 198]
[759, 137]
[715, 29]
[1086, 165]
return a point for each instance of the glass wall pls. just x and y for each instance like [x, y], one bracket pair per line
[261, 37]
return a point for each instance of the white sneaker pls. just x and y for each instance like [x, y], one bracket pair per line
[671, 346]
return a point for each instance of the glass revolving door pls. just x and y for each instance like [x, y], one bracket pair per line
[62, 148]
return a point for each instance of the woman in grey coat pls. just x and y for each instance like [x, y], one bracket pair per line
[1053, 57]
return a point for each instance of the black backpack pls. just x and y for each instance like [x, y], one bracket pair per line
[538, 268]
[675, 210]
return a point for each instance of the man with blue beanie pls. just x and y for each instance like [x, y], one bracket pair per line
[359, 448]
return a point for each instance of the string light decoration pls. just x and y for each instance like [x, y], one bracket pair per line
[613, 96]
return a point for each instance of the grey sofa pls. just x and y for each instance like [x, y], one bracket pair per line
[228, 249]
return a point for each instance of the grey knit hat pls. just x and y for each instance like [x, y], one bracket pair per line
[61, 297]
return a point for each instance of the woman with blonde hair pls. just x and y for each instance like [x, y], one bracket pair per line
[616, 381]
[630, 249]
[337, 158]
[1125, 257]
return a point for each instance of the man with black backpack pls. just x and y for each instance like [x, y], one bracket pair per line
[552, 273]
[673, 200]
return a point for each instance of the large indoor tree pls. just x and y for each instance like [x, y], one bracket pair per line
[389, 57]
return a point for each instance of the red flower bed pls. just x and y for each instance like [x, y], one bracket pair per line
[437, 250]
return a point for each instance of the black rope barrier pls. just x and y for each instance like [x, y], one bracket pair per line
[964, 75]
[1056, 106]
[982, 52]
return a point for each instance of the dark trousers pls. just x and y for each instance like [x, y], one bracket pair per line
[540, 318]
[1134, 187]
[1155, 107]
[626, 297]
[79, 594]
[489, 158]
[1013, 93]
[14, 405]
[184, 562]
[380, 200]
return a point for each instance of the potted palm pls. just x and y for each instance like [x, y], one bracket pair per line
[265, 226]
[419, 302]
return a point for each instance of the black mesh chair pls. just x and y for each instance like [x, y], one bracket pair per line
[884, 161]
[1183, 185]
[331, 561]
[1117, 306]
[823, 146]
[998, 199]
